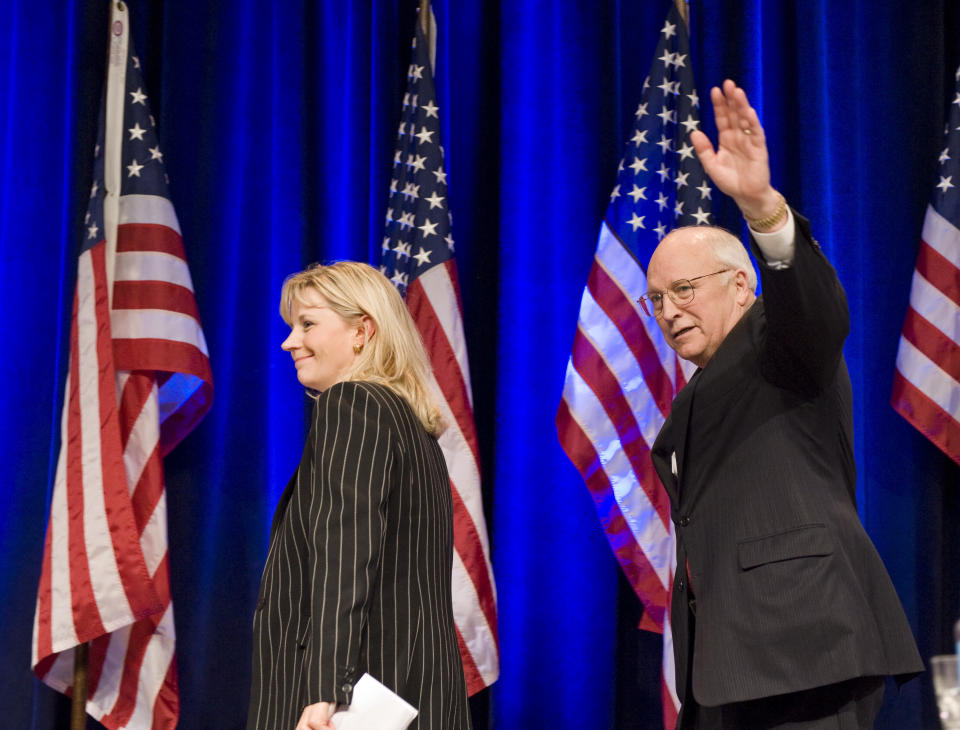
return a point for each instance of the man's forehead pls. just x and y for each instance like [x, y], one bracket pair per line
[681, 255]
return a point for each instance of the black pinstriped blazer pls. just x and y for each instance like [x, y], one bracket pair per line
[357, 576]
[789, 592]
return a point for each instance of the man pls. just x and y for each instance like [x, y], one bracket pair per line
[782, 611]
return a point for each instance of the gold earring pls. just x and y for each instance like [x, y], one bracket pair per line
[357, 349]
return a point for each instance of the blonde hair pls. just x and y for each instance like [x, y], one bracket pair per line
[394, 355]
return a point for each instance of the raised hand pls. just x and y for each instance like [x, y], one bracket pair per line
[739, 166]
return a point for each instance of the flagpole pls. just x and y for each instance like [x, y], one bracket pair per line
[428, 23]
[113, 132]
[116, 71]
[684, 11]
[78, 702]
[425, 19]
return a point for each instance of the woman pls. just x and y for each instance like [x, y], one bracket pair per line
[357, 576]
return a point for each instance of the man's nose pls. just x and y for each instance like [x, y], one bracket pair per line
[669, 308]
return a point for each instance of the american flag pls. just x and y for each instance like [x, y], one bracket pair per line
[139, 380]
[418, 257]
[622, 376]
[926, 384]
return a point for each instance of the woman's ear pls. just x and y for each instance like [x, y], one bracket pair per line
[367, 327]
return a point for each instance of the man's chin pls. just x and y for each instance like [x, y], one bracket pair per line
[688, 351]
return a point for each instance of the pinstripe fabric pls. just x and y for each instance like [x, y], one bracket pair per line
[357, 576]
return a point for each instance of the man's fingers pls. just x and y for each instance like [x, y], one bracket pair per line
[724, 110]
[702, 145]
[751, 122]
[741, 115]
[721, 114]
[734, 94]
[748, 123]
[733, 113]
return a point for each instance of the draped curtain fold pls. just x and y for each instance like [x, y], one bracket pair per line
[277, 123]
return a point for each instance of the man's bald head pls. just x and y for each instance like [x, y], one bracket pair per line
[726, 247]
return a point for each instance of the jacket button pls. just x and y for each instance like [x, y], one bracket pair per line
[346, 687]
[680, 584]
[684, 521]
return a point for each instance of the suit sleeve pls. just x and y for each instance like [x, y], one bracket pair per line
[807, 316]
[347, 518]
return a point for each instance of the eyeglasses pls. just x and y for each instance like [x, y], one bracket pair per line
[680, 293]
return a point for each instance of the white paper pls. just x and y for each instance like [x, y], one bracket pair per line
[374, 707]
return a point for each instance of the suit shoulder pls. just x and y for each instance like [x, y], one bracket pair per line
[368, 400]
[356, 391]
[348, 400]
[347, 410]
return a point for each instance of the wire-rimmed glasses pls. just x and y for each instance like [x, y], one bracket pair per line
[680, 292]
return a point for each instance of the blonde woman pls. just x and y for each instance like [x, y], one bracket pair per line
[357, 576]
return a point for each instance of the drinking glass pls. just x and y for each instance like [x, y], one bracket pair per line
[945, 686]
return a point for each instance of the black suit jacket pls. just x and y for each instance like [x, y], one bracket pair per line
[357, 576]
[788, 591]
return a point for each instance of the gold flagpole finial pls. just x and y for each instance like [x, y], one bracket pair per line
[428, 24]
[425, 19]
[684, 11]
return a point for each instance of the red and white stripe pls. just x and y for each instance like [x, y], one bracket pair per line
[434, 301]
[926, 386]
[104, 578]
[620, 382]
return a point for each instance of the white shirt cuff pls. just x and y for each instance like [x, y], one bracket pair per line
[778, 247]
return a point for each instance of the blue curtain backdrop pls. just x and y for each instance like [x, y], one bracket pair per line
[277, 123]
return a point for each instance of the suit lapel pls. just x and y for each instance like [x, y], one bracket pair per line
[680, 413]
[669, 448]
[710, 388]
[723, 372]
[713, 380]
